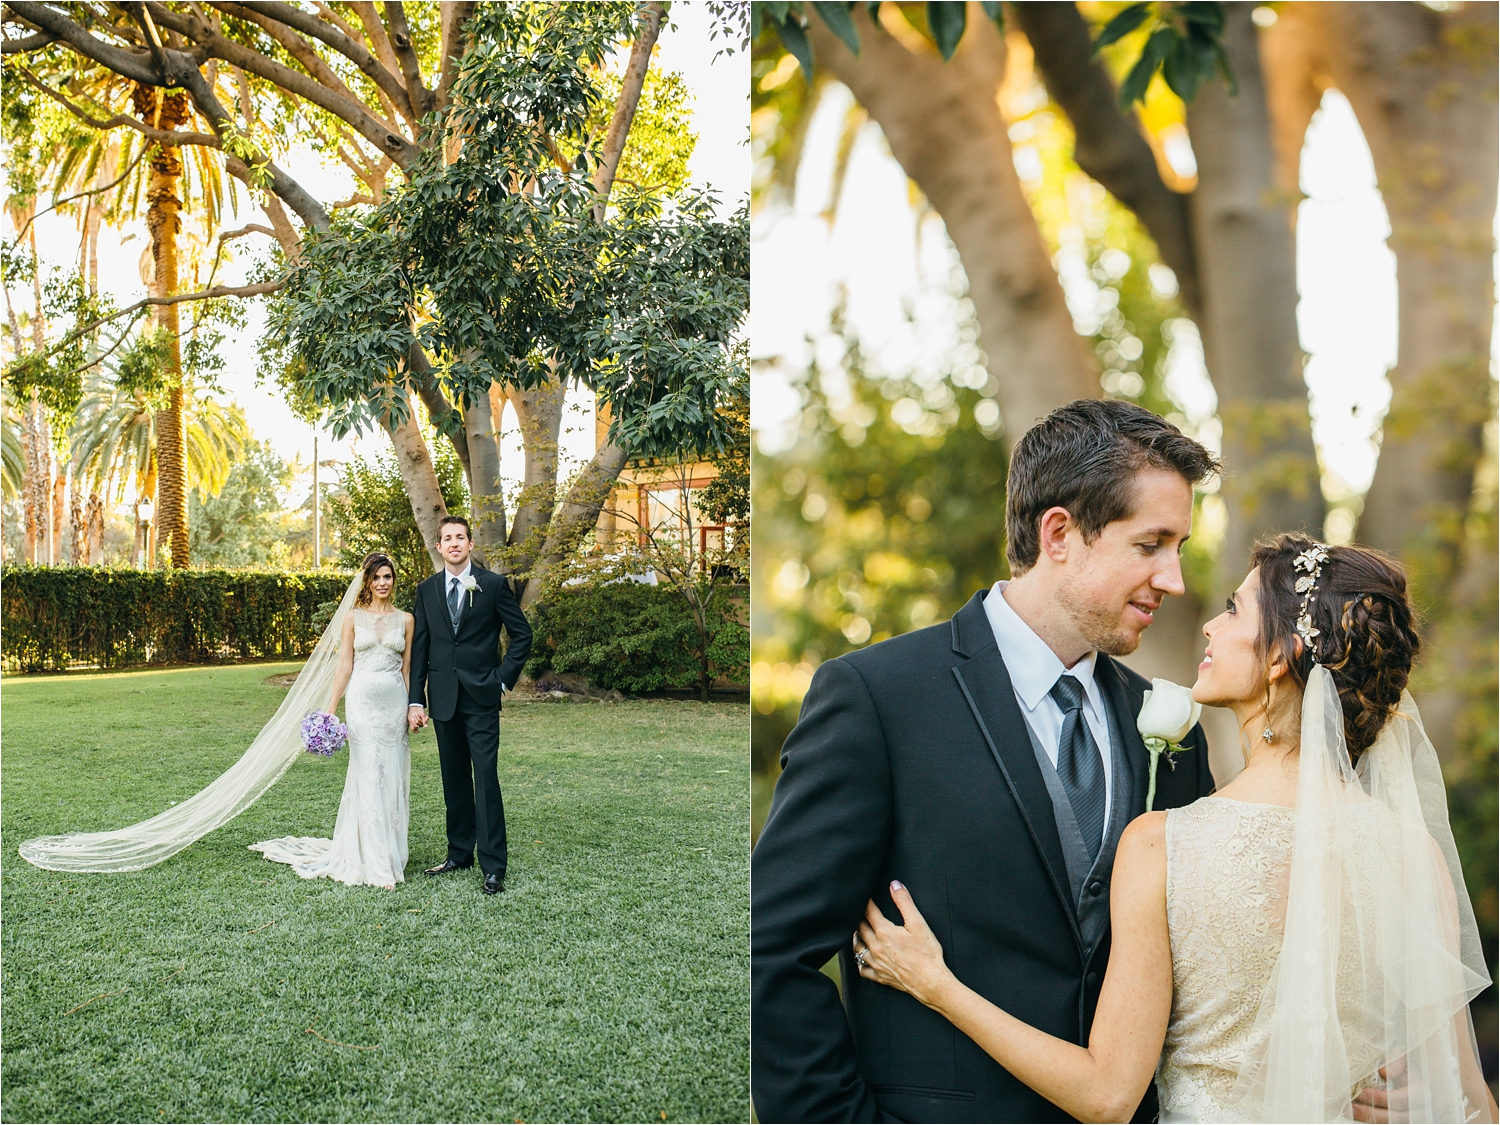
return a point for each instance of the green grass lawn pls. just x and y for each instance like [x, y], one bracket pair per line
[610, 982]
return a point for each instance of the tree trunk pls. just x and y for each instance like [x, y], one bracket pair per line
[1422, 84]
[539, 413]
[488, 502]
[577, 516]
[421, 482]
[59, 513]
[945, 129]
[33, 497]
[1247, 265]
[167, 110]
[93, 543]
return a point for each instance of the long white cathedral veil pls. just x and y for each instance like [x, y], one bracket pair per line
[1380, 954]
[269, 757]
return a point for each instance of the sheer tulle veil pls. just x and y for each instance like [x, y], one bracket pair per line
[231, 793]
[1381, 954]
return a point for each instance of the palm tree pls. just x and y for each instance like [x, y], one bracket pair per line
[116, 446]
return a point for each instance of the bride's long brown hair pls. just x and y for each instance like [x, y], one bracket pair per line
[371, 567]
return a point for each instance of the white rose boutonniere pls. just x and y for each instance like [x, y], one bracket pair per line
[1167, 714]
[467, 583]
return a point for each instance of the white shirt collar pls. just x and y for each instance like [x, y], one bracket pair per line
[450, 576]
[1032, 665]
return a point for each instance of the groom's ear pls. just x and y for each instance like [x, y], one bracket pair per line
[1052, 533]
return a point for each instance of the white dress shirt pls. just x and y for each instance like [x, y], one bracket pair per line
[1034, 668]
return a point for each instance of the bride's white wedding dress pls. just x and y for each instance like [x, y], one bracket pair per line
[369, 838]
[1312, 946]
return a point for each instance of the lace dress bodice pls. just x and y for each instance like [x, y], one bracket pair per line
[379, 641]
[1227, 868]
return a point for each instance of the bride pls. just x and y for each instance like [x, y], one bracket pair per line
[369, 837]
[366, 650]
[1298, 946]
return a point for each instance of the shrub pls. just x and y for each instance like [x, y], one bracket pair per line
[53, 618]
[635, 637]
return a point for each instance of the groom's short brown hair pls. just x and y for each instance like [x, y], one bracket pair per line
[1083, 457]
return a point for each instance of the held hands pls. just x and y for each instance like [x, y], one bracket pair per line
[906, 957]
[416, 718]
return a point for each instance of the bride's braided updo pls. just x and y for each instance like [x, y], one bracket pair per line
[1366, 630]
[370, 568]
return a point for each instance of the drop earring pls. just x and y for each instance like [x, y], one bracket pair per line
[1268, 734]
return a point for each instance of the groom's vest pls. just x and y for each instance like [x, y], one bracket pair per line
[1089, 881]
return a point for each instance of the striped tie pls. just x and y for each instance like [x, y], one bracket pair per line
[1079, 764]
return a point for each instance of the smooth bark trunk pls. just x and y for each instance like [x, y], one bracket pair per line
[1247, 266]
[945, 129]
[1422, 84]
[577, 516]
[539, 413]
[421, 482]
[488, 503]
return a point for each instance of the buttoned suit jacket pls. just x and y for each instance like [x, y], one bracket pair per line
[442, 659]
[912, 760]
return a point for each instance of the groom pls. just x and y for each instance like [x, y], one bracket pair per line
[990, 763]
[457, 678]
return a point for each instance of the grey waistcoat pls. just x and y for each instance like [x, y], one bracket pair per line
[1089, 882]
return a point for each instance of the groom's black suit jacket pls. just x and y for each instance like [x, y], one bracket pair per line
[912, 761]
[441, 659]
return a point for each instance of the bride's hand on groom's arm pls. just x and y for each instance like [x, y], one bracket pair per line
[908, 956]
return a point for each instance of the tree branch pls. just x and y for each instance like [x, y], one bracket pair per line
[128, 64]
[1109, 146]
[630, 96]
[355, 113]
[28, 43]
[301, 50]
[455, 15]
[411, 66]
[338, 37]
[160, 136]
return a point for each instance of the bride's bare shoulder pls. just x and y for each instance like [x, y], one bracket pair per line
[1144, 839]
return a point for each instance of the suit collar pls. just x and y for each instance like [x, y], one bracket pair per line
[971, 628]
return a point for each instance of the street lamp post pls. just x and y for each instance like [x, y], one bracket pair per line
[145, 510]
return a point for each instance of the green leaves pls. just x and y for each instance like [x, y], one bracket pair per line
[946, 21]
[1186, 43]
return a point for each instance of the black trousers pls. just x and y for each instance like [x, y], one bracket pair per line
[468, 745]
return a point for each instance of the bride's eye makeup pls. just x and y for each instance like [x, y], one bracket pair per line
[1229, 603]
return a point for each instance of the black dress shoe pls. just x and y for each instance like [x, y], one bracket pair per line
[448, 865]
[493, 884]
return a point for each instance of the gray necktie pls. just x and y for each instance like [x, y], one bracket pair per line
[453, 601]
[1078, 763]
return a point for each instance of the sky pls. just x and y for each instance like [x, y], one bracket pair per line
[721, 159]
[888, 260]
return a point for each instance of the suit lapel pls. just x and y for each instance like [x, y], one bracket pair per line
[985, 683]
[1125, 701]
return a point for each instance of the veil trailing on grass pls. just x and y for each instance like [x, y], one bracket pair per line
[271, 754]
[1380, 954]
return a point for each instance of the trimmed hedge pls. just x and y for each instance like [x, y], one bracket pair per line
[54, 618]
[635, 637]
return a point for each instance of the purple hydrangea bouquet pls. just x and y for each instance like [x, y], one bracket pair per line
[323, 734]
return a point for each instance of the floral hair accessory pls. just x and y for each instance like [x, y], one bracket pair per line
[1310, 560]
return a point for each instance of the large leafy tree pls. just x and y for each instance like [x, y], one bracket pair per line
[446, 96]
